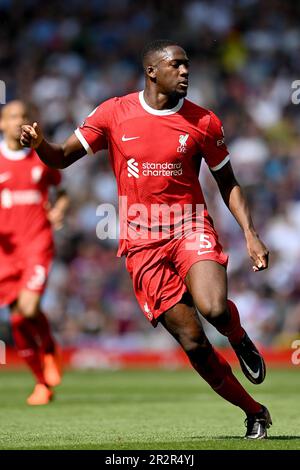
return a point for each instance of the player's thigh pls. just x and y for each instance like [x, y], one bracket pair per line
[183, 323]
[156, 283]
[28, 303]
[37, 266]
[206, 281]
[33, 283]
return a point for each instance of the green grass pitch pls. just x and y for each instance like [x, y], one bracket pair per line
[143, 410]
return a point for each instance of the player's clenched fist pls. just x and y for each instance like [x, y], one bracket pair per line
[31, 136]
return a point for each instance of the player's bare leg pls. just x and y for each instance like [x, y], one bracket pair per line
[183, 323]
[207, 283]
[35, 344]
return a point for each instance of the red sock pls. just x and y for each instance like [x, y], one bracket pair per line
[216, 371]
[26, 341]
[232, 328]
[43, 329]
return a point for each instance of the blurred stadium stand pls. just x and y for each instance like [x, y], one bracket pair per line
[69, 56]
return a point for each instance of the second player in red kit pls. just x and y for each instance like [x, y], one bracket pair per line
[26, 234]
[26, 249]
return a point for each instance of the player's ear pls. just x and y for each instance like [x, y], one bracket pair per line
[151, 71]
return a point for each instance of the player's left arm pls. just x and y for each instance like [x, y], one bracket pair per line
[236, 201]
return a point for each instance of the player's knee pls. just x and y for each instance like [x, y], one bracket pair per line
[193, 344]
[215, 310]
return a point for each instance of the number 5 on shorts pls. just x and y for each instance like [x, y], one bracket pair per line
[204, 241]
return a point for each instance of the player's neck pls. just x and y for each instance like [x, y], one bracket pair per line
[13, 144]
[159, 101]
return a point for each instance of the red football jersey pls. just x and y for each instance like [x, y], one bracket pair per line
[24, 183]
[156, 157]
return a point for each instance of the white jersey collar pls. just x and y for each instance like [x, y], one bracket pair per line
[13, 154]
[159, 112]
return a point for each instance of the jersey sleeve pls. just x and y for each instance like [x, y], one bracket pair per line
[214, 148]
[93, 132]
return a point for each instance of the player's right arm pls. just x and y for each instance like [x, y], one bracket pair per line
[89, 138]
[53, 155]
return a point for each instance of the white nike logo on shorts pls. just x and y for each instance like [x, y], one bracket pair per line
[124, 139]
[204, 252]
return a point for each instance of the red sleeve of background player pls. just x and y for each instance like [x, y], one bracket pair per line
[214, 149]
[93, 132]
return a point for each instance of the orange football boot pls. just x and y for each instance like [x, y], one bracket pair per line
[52, 368]
[41, 395]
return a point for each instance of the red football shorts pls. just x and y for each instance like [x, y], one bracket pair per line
[19, 272]
[158, 270]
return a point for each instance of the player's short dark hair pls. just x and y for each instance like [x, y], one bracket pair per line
[158, 45]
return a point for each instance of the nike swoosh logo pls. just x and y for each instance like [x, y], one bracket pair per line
[4, 177]
[251, 372]
[204, 252]
[125, 139]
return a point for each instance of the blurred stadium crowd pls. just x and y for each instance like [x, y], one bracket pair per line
[66, 57]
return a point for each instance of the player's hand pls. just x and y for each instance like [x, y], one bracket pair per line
[56, 214]
[56, 217]
[258, 252]
[31, 136]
